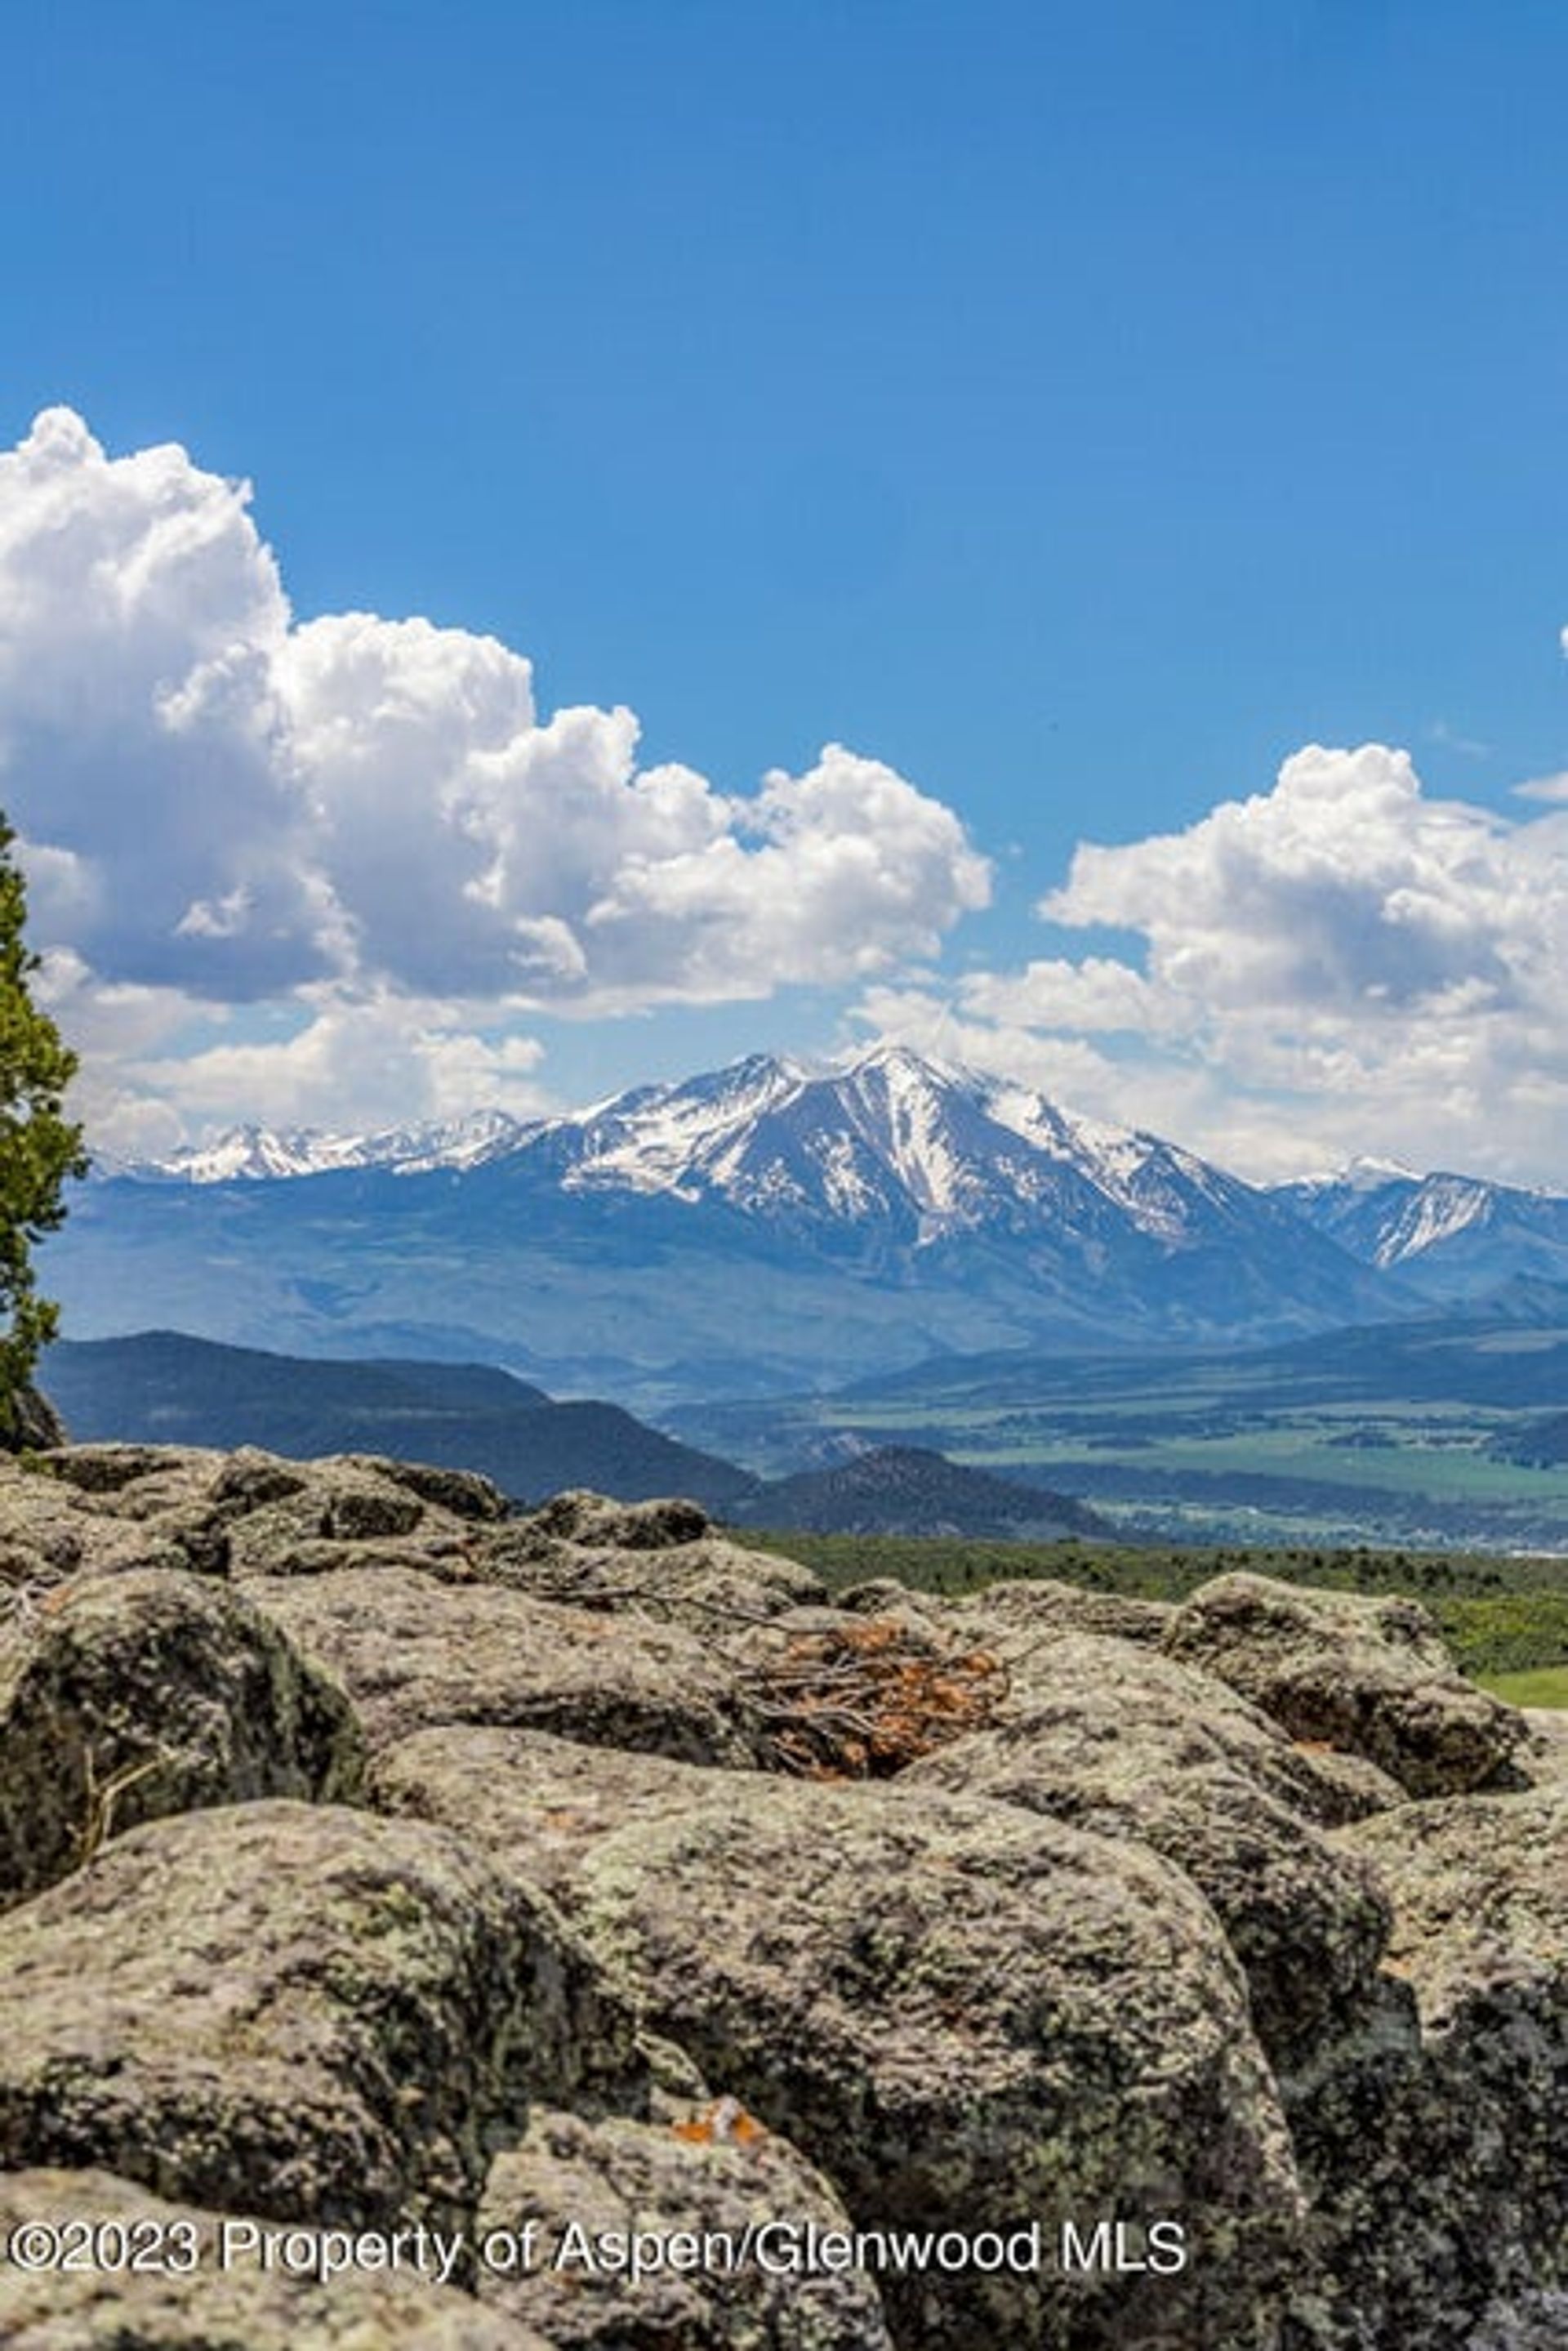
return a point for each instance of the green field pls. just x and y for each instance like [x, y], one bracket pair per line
[1546, 1687]
[1319, 1473]
[1394, 1437]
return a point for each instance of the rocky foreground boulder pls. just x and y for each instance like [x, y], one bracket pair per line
[568, 2178]
[962, 2014]
[151, 1692]
[1369, 1676]
[327, 2017]
[224, 2301]
[579, 1931]
[1135, 1747]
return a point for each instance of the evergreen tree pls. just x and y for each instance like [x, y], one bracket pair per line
[39, 1148]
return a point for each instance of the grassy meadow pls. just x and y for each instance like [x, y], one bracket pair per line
[1407, 1437]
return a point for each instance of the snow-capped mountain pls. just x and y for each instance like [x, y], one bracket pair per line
[255, 1154]
[1448, 1236]
[887, 1138]
[760, 1227]
[918, 1154]
[893, 1141]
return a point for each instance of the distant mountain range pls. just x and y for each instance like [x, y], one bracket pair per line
[762, 1229]
[1449, 1237]
[258, 1154]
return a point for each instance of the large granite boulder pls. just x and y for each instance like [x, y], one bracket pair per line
[299, 2011]
[52, 1529]
[970, 2018]
[712, 2209]
[533, 1801]
[129, 2288]
[1131, 1745]
[1370, 1675]
[1041, 1605]
[597, 1522]
[661, 1560]
[125, 1697]
[1435, 2140]
[412, 1651]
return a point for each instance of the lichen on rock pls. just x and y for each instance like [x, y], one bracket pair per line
[1367, 1674]
[239, 2302]
[1130, 1746]
[127, 1696]
[960, 2012]
[412, 1651]
[1436, 2146]
[696, 2195]
[297, 2010]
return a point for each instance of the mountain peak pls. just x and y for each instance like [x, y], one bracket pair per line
[1364, 1173]
[901, 1058]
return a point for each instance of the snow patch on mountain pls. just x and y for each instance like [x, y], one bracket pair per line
[1363, 1173]
[683, 1138]
[1438, 1209]
[261, 1155]
[1451, 1233]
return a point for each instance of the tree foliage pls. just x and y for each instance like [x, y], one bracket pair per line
[40, 1146]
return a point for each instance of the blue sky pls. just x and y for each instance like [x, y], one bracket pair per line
[1075, 411]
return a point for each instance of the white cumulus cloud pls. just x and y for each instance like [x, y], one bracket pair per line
[1337, 964]
[367, 819]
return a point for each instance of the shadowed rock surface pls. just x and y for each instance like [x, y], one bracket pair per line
[147, 1693]
[1249, 1913]
[1437, 2141]
[1367, 1674]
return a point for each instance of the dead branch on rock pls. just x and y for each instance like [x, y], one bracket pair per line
[861, 1700]
[101, 1797]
